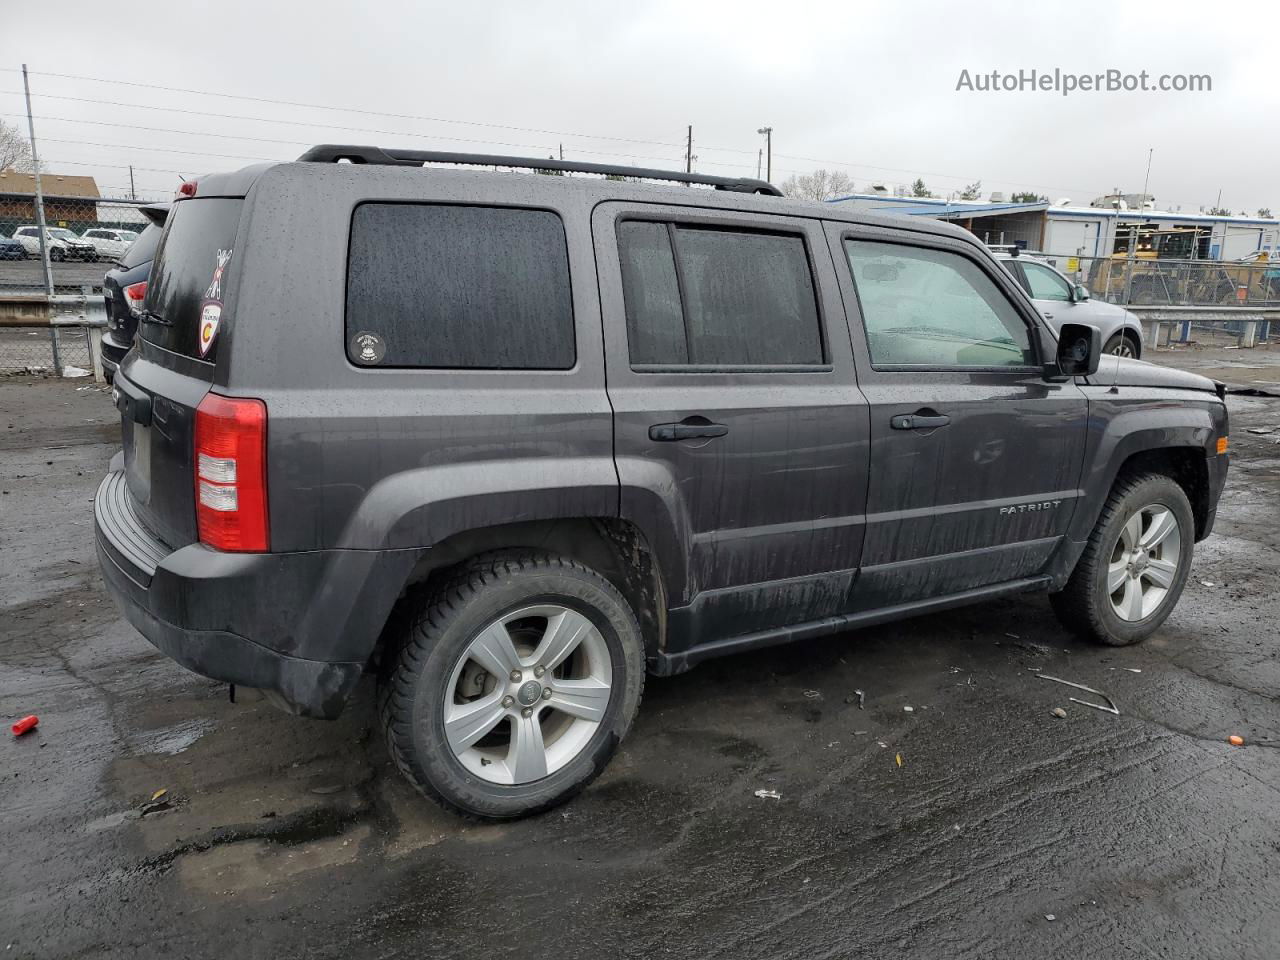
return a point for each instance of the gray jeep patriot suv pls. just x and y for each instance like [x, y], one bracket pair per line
[507, 442]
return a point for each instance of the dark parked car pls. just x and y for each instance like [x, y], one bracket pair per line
[508, 442]
[125, 287]
[11, 249]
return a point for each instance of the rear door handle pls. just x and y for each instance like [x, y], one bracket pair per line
[917, 421]
[686, 431]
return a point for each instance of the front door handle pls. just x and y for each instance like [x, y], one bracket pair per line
[917, 421]
[699, 428]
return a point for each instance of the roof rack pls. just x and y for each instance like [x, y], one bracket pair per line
[335, 152]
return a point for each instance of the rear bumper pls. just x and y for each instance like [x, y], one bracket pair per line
[112, 352]
[300, 624]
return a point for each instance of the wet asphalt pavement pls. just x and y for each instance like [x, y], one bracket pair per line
[1003, 832]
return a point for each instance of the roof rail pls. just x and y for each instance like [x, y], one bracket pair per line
[334, 152]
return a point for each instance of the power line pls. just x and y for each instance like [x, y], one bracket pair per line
[307, 143]
[371, 113]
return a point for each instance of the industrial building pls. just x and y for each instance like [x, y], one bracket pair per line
[1091, 232]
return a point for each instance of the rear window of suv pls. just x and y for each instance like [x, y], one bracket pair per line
[458, 287]
[143, 249]
[189, 273]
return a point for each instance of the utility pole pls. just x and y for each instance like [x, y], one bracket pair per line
[1147, 179]
[562, 152]
[768, 147]
[688, 152]
[44, 245]
[133, 193]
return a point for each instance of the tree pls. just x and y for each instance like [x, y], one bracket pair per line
[1028, 197]
[1264, 213]
[820, 185]
[15, 152]
[972, 192]
[1219, 212]
[918, 189]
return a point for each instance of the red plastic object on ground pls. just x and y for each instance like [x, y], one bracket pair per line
[24, 725]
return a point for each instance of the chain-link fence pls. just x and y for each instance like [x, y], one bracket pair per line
[30, 350]
[85, 236]
[1200, 283]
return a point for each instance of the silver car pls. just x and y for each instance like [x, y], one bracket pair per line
[62, 243]
[110, 244]
[1060, 301]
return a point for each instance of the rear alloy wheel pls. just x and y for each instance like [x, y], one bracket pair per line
[513, 685]
[528, 694]
[1121, 346]
[1135, 564]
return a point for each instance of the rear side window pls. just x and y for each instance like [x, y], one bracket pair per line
[713, 297]
[438, 286]
[189, 276]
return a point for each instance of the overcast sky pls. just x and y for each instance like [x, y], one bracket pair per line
[868, 88]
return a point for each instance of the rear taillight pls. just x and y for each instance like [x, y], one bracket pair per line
[134, 294]
[231, 473]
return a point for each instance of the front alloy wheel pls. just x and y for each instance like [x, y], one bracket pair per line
[1144, 563]
[1135, 564]
[1121, 346]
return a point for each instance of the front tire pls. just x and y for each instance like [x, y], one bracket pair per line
[1135, 565]
[1122, 345]
[512, 686]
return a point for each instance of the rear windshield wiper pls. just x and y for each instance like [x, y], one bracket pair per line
[150, 316]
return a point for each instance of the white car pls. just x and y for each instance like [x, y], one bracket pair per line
[62, 243]
[110, 244]
[1061, 301]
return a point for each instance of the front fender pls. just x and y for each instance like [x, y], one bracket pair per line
[1124, 421]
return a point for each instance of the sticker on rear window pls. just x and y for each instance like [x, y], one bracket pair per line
[366, 348]
[210, 315]
[215, 285]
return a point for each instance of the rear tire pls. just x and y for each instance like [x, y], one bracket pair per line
[1135, 565]
[511, 686]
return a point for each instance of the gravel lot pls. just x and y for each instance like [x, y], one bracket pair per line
[22, 275]
[1004, 832]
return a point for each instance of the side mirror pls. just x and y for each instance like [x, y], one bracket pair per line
[1081, 293]
[1078, 354]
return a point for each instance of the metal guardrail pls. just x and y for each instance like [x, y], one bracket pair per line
[85, 311]
[1165, 325]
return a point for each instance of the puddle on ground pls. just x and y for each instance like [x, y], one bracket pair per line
[173, 740]
[255, 865]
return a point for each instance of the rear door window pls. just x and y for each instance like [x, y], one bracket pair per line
[189, 277]
[702, 296]
[458, 287]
